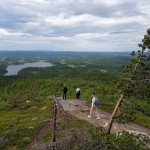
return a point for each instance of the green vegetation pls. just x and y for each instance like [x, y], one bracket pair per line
[91, 72]
[19, 124]
[85, 136]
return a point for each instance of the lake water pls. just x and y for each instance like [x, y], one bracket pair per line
[14, 69]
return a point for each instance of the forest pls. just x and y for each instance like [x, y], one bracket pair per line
[100, 72]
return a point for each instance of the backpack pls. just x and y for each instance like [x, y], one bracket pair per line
[97, 102]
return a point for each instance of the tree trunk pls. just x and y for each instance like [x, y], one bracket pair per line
[123, 94]
[114, 113]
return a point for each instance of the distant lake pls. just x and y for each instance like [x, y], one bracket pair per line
[14, 69]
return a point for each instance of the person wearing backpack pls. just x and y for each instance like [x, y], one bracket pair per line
[65, 90]
[94, 104]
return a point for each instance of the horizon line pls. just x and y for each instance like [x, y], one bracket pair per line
[61, 51]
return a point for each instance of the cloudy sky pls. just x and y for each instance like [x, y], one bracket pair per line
[75, 25]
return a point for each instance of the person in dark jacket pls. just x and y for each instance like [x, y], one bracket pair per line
[65, 90]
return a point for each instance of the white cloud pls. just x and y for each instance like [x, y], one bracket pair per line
[91, 36]
[72, 24]
[107, 2]
[4, 32]
[60, 21]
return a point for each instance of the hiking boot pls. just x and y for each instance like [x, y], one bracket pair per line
[98, 117]
[89, 116]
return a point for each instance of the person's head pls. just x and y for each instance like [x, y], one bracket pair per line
[93, 94]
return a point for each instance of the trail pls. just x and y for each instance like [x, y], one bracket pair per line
[39, 135]
[80, 109]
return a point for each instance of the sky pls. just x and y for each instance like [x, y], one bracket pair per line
[73, 25]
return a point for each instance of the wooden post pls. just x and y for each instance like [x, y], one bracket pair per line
[54, 123]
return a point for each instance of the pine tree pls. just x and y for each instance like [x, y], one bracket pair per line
[136, 80]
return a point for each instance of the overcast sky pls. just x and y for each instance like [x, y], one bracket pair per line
[75, 25]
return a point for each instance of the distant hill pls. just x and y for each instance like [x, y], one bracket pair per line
[57, 53]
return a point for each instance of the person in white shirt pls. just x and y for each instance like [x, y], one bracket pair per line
[78, 93]
[94, 104]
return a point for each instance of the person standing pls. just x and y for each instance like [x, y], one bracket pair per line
[94, 104]
[78, 93]
[65, 90]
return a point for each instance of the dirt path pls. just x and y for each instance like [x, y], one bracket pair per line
[39, 136]
[81, 109]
